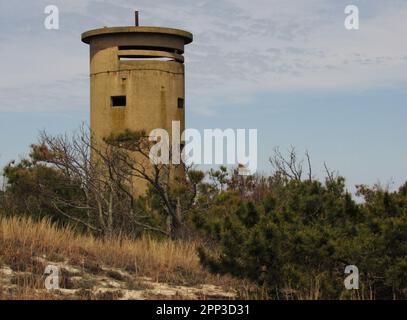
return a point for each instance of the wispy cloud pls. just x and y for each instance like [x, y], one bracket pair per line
[241, 48]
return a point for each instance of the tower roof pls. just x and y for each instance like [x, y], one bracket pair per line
[185, 35]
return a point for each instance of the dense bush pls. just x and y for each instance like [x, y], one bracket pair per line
[22, 195]
[295, 237]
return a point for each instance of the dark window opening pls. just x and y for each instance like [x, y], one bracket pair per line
[118, 101]
[181, 103]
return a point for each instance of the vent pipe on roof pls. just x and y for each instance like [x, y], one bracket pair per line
[136, 17]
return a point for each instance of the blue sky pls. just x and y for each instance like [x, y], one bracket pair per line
[286, 67]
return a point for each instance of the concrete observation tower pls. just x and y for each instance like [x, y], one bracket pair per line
[136, 78]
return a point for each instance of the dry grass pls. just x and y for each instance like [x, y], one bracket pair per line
[22, 240]
[21, 236]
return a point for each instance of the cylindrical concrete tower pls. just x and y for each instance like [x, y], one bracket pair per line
[137, 78]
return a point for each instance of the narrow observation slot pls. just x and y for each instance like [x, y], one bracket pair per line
[130, 53]
[130, 58]
[153, 48]
[181, 103]
[118, 101]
